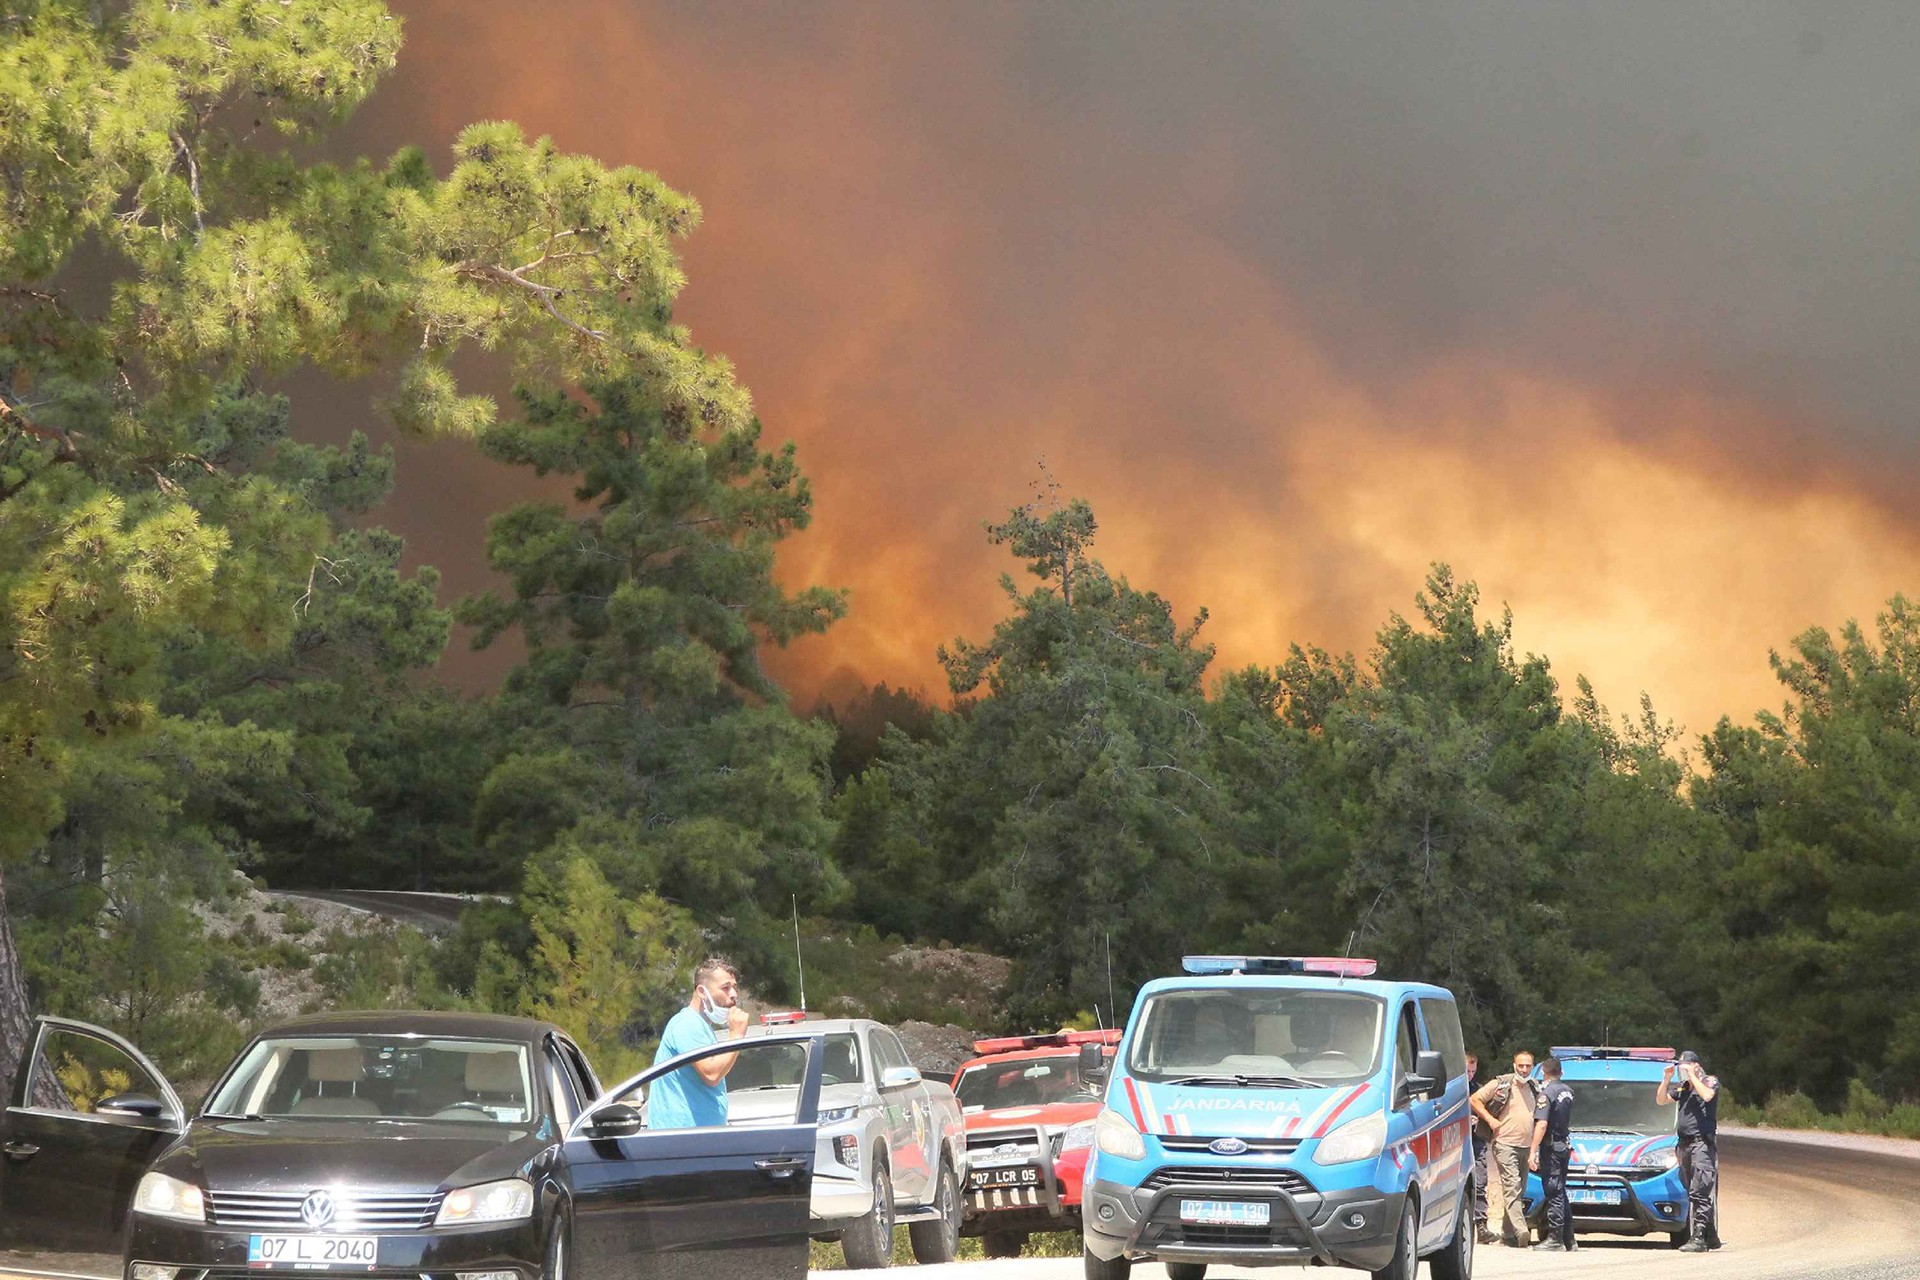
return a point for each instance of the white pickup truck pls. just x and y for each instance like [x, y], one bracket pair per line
[892, 1145]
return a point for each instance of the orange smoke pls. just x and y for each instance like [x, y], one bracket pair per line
[930, 285]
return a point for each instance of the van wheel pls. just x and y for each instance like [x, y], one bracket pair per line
[1186, 1271]
[1106, 1268]
[868, 1243]
[1404, 1264]
[1455, 1262]
[939, 1240]
[1003, 1244]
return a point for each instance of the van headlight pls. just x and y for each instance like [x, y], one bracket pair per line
[1360, 1139]
[1667, 1159]
[1116, 1137]
[1079, 1136]
[507, 1200]
[165, 1197]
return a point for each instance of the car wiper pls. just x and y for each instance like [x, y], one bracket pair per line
[1249, 1082]
[222, 1115]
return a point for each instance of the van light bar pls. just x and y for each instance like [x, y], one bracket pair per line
[1335, 966]
[783, 1018]
[1643, 1053]
[1045, 1040]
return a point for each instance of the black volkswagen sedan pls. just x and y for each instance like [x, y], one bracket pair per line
[429, 1146]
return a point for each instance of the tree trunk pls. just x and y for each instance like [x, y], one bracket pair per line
[16, 1019]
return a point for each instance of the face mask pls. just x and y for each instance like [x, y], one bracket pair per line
[715, 1015]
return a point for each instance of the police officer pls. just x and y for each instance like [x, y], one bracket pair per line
[1687, 1083]
[1482, 1140]
[1552, 1151]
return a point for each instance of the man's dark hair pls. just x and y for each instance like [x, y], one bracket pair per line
[712, 965]
[1550, 1069]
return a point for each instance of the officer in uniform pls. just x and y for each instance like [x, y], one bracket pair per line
[1687, 1083]
[1552, 1152]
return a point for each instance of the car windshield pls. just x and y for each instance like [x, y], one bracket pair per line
[780, 1068]
[380, 1077]
[1620, 1104]
[1315, 1037]
[1028, 1082]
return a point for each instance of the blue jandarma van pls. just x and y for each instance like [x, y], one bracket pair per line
[1270, 1110]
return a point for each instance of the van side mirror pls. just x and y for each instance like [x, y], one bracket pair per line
[1429, 1075]
[617, 1120]
[1093, 1062]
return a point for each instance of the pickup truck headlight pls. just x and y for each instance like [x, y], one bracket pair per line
[838, 1115]
[1116, 1137]
[165, 1197]
[507, 1200]
[1667, 1159]
[1360, 1139]
[1080, 1135]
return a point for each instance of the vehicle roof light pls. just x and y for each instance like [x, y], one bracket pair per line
[784, 1018]
[1335, 966]
[1045, 1040]
[1643, 1053]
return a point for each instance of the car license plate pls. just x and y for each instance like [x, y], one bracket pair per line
[1232, 1213]
[985, 1179]
[1590, 1196]
[312, 1253]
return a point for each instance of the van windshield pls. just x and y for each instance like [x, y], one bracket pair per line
[1326, 1037]
[1628, 1106]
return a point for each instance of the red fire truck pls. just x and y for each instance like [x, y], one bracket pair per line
[1030, 1103]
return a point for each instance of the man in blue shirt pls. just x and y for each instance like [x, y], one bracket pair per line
[696, 1096]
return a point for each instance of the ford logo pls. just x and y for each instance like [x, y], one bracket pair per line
[1227, 1147]
[317, 1209]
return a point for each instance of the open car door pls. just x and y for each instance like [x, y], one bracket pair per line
[684, 1203]
[88, 1114]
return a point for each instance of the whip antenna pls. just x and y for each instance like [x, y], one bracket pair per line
[797, 961]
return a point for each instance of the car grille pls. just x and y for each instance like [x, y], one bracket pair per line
[1255, 1146]
[985, 1144]
[1275, 1236]
[353, 1210]
[1238, 1179]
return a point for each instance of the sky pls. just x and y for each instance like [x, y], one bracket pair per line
[1611, 307]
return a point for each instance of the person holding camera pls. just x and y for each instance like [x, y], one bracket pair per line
[1506, 1104]
[1687, 1083]
[1552, 1152]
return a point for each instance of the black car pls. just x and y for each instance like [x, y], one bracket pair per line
[423, 1146]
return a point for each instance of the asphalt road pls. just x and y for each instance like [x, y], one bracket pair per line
[1844, 1212]
[1836, 1210]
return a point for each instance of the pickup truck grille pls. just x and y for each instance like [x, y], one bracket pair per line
[985, 1145]
[353, 1210]
[1237, 1179]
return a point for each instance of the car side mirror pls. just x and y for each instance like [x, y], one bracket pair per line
[1429, 1075]
[131, 1104]
[1093, 1062]
[617, 1120]
[899, 1077]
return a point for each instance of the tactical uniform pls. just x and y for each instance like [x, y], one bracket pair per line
[1699, 1159]
[1555, 1106]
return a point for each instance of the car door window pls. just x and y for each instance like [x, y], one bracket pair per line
[583, 1078]
[757, 1061]
[1406, 1043]
[567, 1102]
[887, 1053]
[74, 1072]
[1443, 1033]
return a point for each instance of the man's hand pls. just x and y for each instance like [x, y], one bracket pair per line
[736, 1022]
[1533, 1159]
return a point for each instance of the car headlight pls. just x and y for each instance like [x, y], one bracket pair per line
[507, 1200]
[1079, 1136]
[1116, 1137]
[1360, 1139]
[838, 1115]
[1667, 1159]
[165, 1197]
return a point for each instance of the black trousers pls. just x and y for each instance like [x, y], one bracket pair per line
[1553, 1187]
[1480, 1146]
[1700, 1169]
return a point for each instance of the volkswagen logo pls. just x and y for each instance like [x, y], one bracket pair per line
[317, 1209]
[1227, 1147]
